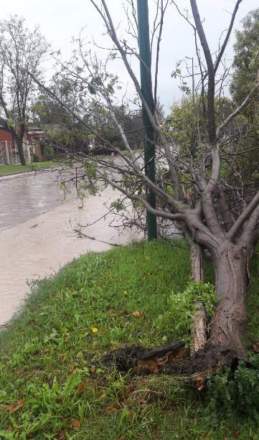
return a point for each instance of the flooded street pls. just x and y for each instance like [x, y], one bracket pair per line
[26, 196]
[37, 233]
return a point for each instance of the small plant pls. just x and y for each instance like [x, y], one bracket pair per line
[178, 318]
[236, 392]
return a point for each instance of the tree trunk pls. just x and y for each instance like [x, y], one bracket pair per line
[227, 328]
[19, 143]
[197, 263]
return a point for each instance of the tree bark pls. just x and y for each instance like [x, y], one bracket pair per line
[19, 143]
[197, 263]
[228, 324]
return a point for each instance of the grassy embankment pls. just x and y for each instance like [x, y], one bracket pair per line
[7, 170]
[51, 385]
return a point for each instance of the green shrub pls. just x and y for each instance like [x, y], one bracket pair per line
[49, 152]
[236, 392]
[176, 321]
[35, 158]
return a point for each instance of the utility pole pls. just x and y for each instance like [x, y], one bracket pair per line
[147, 92]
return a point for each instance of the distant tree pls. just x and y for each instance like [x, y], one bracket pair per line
[246, 70]
[246, 63]
[64, 130]
[131, 121]
[188, 123]
[46, 110]
[21, 52]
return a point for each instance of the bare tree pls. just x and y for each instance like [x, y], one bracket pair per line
[192, 191]
[21, 50]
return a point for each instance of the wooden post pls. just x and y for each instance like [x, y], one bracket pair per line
[7, 153]
[28, 151]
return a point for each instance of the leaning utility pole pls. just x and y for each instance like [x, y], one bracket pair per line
[147, 92]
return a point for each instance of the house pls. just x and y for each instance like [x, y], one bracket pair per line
[33, 139]
[32, 146]
[8, 149]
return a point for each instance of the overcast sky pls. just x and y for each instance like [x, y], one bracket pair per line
[60, 20]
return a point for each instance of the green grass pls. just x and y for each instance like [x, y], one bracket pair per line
[7, 170]
[52, 385]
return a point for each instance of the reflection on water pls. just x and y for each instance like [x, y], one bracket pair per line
[25, 197]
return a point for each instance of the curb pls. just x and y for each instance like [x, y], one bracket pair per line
[26, 173]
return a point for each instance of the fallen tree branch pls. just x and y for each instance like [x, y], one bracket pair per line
[89, 237]
[141, 360]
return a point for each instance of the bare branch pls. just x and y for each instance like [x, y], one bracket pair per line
[184, 16]
[89, 237]
[107, 19]
[250, 233]
[225, 212]
[211, 75]
[163, 9]
[132, 196]
[199, 231]
[215, 170]
[243, 217]
[224, 45]
[155, 25]
[237, 110]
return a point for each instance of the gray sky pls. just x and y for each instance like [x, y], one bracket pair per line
[60, 20]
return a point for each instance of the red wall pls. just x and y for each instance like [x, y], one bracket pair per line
[5, 135]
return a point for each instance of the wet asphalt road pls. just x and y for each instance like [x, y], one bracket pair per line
[26, 196]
